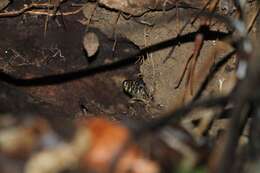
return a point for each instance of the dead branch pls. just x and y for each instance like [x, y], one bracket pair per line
[213, 70]
[29, 9]
[125, 61]
[26, 8]
[248, 74]
[175, 116]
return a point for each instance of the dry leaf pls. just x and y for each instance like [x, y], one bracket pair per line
[20, 141]
[64, 156]
[138, 7]
[107, 140]
[3, 3]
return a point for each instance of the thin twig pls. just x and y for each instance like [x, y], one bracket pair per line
[190, 21]
[124, 61]
[114, 35]
[252, 21]
[28, 10]
[213, 70]
[247, 89]
[44, 12]
[176, 115]
[183, 72]
[198, 45]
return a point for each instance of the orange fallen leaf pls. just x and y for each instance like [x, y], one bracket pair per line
[108, 141]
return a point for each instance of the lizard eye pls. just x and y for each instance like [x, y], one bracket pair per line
[125, 84]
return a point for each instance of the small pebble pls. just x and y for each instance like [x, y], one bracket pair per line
[91, 43]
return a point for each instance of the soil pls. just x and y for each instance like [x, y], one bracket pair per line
[162, 76]
[28, 51]
[49, 80]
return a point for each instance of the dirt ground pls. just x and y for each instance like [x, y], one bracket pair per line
[162, 76]
[45, 69]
